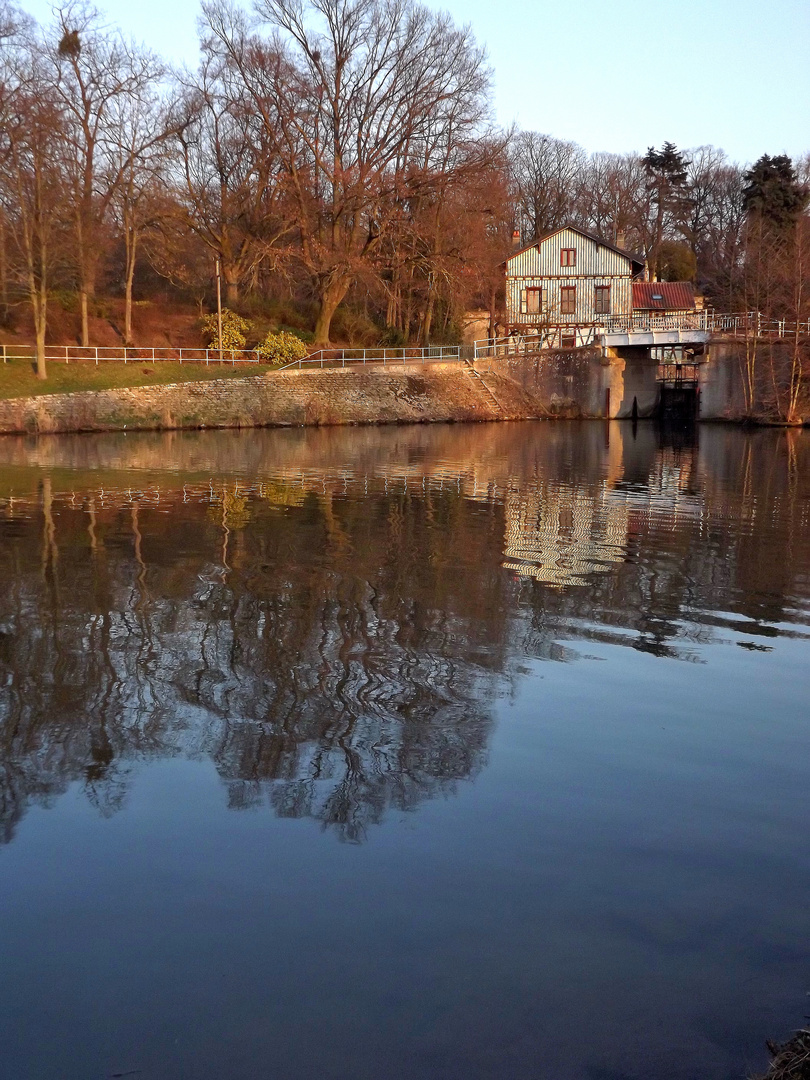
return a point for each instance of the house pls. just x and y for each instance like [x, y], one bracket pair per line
[565, 283]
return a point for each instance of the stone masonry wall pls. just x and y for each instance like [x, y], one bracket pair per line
[411, 394]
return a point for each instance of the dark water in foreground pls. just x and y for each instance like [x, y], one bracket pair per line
[404, 753]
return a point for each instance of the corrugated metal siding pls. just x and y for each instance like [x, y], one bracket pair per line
[592, 259]
[539, 267]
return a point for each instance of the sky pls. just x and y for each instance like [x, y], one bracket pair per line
[613, 75]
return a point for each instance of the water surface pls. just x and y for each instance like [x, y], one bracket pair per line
[404, 753]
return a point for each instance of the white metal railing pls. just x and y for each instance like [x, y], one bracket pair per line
[708, 320]
[99, 354]
[432, 354]
[735, 324]
[511, 345]
[750, 323]
[641, 321]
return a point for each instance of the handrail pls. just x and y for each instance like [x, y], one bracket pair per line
[709, 321]
[67, 354]
[745, 323]
[430, 354]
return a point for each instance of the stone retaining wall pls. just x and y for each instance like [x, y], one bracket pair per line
[409, 394]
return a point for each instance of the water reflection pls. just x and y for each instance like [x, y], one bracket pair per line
[328, 615]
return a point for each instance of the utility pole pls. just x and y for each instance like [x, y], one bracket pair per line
[219, 310]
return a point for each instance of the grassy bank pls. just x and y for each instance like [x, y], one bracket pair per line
[17, 378]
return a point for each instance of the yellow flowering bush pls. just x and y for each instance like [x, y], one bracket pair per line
[234, 329]
[282, 348]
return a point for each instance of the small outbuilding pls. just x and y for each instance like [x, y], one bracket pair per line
[664, 297]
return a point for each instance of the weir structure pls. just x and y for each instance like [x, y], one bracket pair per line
[680, 365]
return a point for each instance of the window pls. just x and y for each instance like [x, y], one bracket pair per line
[568, 257]
[601, 300]
[568, 341]
[568, 300]
[667, 354]
[535, 301]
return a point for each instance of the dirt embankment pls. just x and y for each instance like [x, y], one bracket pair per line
[156, 323]
[413, 394]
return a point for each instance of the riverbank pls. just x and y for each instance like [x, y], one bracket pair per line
[572, 384]
[431, 393]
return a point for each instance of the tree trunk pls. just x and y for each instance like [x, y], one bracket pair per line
[87, 291]
[331, 295]
[231, 278]
[427, 321]
[132, 243]
[85, 320]
[38, 296]
[41, 370]
[3, 267]
[408, 313]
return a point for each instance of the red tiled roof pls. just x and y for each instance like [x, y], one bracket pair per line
[663, 296]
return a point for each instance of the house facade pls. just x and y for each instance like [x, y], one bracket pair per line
[565, 283]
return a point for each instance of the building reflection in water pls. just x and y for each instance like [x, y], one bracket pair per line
[332, 637]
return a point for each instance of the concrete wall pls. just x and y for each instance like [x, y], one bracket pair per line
[721, 390]
[564, 383]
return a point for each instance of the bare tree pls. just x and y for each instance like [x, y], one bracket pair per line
[228, 175]
[97, 77]
[32, 188]
[356, 96]
[547, 173]
[612, 200]
[135, 172]
[714, 227]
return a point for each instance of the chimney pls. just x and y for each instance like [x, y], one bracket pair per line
[515, 239]
[620, 238]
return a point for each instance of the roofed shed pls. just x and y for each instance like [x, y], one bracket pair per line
[668, 296]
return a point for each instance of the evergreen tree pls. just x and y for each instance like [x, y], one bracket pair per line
[773, 191]
[667, 184]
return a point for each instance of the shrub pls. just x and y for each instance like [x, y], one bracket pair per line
[282, 348]
[354, 327]
[234, 329]
[67, 299]
[305, 335]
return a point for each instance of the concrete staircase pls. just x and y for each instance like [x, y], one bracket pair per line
[478, 380]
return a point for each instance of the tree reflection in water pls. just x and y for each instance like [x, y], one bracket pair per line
[315, 656]
[331, 636]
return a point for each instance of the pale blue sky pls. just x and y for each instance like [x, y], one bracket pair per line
[609, 74]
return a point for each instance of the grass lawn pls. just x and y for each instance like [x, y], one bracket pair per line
[17, 378]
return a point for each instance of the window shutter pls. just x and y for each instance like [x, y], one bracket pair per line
[522, 301]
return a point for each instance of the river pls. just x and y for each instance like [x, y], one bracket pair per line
[392, 753]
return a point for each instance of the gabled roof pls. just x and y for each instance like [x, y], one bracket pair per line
[663, 296]
[636, 260]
